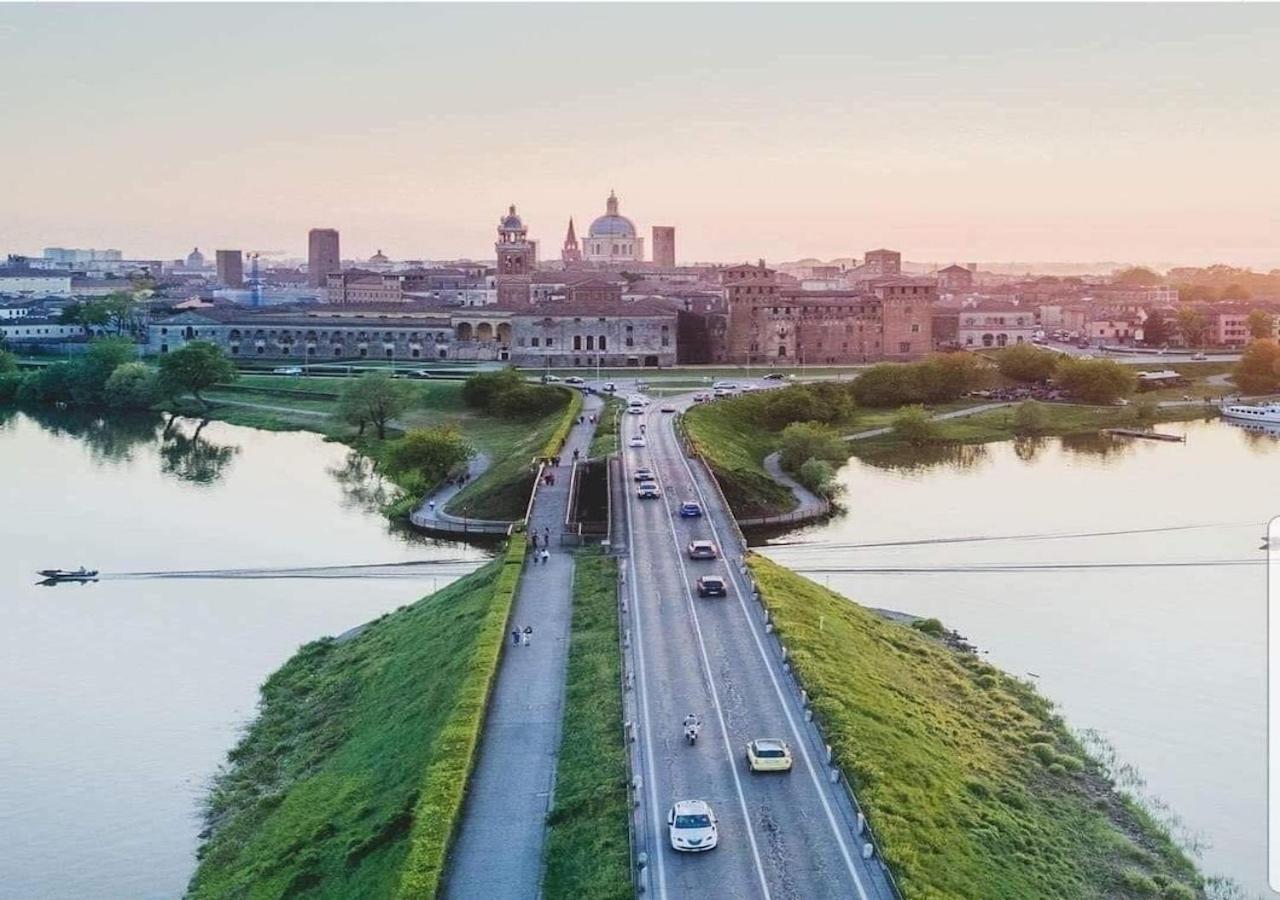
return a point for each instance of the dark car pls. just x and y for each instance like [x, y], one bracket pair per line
[711, 586]
[690, 510]
[773, 376]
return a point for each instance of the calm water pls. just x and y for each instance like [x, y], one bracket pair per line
[1166, 662]
[119, 699]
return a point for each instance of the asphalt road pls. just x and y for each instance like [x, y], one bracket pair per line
[781, 835]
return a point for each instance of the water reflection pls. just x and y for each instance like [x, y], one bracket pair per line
[110, 439]
[928, 456]
[362, 487]
[193, 458]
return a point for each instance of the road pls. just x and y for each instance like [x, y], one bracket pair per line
[781, 835]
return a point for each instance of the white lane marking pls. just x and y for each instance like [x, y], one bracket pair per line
[715, 698]
[655, 814]
[800, 739]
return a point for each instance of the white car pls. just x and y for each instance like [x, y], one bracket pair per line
[636, 441]
[725, 386]
[692, 826]
[1199, 357]
[287, 370]
[608, 387]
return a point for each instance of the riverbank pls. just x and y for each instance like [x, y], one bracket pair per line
[301, 806]
[968, 776]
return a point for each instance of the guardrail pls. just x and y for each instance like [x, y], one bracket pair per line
[638, 839]
[861, 825]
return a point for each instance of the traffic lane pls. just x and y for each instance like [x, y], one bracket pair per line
[801, 850]
[675, 686]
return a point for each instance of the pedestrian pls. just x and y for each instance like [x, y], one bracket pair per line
[545, 556]
[431, 507]
[527, 634]
[546, 536]
[575, 455]
[515, 635]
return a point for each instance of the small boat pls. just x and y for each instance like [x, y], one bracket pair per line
[80, 574]
[1264, 415]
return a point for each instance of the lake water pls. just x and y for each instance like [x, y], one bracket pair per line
[119, 699]
[1154, 634]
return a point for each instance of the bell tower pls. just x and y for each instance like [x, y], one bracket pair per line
[517, 259]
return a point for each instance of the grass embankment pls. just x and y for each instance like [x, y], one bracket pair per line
[587, 848]
[974, 786]
[606, 440]
[502, 493]
[349, 781]
[730, 435]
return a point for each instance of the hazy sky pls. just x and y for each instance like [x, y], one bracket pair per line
[953, 133]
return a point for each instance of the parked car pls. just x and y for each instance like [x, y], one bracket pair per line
[636, 441]
[574, 379]
[703, 550]
[768, 755]
[648, 490]
[711, 586]
[644, 473]
[773, 376]
[287, 370]
[691, 826]
[690, 510]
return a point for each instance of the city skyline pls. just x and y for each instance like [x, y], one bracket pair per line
[954, 134]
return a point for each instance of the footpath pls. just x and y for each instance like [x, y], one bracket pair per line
[431, 510]
[497, 853]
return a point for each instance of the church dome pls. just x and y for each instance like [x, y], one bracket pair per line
[511, 221]
[611, 224]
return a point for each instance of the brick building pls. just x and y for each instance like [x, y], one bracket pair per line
[664, 246]
[768, 322]
[230, 268]
[323, 258]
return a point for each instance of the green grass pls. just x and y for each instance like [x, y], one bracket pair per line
[587, 852]
[326, 787]
[605, 441]
[974, 786]
[502, 493]
[443, 787]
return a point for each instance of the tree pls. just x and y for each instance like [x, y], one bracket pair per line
[1155, 330]
[914, 426]
[1030, 417]
[96, 366]
[8, 362]
[943, 377]
[1261, 324]
[429, 452]
[373, 399]
[818, 476]
[1192, 325]
[119, 310]
[887, 384]
[1027, 362]
[1189, 292]
[194, 367]
[1235, 291]
[1136, 276]
[1258, 371]
[801, 441]
[131, 386]
[1095, 380]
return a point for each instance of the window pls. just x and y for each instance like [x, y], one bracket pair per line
[904, 346]
[631, 342]
[591, 342]
[782, 349]
[602, 342]
[666, 341]
[577, 343]
[261, 349]
[915, 328]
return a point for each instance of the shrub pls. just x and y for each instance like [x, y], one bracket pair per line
[1095, 380]
[944, 377]
[914, 426]
[1026, 362]
[931, 627]
[507, 395]
[1030, 417]
[131, 386]
[802, 441]
[10, 385]
[428, 453]
[887, 385]
[8, 362]
[1139, 883]
[97, 365]
[818, 476]
[52, 384]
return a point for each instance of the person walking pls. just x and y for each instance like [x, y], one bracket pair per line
[527, 634]
[515, 636]
[545, 556]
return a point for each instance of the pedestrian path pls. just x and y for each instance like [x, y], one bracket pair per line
[807, 502]
[498, 851]
[431, 510]
[954, 414]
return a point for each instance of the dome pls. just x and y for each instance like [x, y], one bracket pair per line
[612, 226]
[511, 222]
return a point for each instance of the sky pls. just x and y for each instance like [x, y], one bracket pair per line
[1139, 133]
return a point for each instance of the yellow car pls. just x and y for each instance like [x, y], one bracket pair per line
[768, 755]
